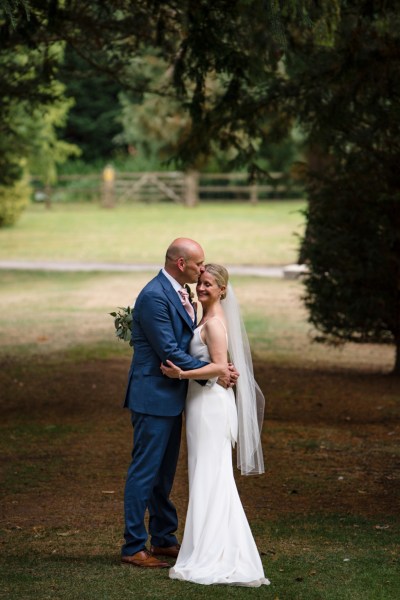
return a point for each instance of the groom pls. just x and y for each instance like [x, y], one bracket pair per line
[163, 323]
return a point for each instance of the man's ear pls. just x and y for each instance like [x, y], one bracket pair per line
[181, 263]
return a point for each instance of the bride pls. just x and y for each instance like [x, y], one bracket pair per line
[218, 546]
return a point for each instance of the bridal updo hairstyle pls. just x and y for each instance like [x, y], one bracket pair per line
[220, 275]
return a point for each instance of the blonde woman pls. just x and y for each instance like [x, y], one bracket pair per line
[218, 546]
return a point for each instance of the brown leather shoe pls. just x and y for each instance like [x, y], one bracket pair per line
[144, 559]
[169, 551]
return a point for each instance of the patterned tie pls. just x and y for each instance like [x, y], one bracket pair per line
[186, 303]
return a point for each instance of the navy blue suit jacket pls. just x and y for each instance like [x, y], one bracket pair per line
[161, 330]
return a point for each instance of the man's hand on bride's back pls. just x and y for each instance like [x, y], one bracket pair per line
[171, 370]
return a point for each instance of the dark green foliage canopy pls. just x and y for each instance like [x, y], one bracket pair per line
[348, 101]
[353, 251]
[92, 121]
[246, 72]
[238, 41]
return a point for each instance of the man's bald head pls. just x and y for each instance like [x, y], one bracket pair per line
[182, 247]
[184, 260]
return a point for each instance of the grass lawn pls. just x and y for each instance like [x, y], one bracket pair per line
[43, 313]
[324, 516]
[309, 559]
[235, 233]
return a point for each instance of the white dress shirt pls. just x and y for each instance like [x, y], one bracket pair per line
[175, 284]
[177, 287]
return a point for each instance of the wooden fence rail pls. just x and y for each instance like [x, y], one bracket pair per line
[189, 188]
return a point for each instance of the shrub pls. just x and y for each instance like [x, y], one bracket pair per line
[13, 200]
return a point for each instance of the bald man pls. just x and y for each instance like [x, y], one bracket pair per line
[163, 324]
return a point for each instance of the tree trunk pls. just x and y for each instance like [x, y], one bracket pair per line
[47, 192]
[254, 194]
[191, 197]
[396, 369]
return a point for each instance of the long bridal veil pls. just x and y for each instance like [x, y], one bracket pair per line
[250, 400]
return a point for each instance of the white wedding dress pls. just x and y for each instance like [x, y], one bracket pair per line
[218, 546]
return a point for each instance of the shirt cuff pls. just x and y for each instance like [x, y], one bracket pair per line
[211, 382]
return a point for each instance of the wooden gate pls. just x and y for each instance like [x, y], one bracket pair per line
[151, 187]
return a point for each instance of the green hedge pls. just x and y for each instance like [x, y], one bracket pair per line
[13, 200]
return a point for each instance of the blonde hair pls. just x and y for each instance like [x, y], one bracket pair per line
[220, 275]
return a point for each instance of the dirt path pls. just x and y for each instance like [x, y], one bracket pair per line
[65, 266]
[330, 439]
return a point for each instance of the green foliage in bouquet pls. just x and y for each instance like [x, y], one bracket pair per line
[123, 323]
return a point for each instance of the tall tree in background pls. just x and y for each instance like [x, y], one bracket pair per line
[347, 96]
[92, 122]
[152, 124]
[32, 108]
[158, 125]
[238, 41]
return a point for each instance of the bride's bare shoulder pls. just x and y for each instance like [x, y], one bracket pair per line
[215, 326]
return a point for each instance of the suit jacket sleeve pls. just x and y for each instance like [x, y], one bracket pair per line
[157, 326]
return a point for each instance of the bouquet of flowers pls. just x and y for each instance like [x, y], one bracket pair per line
[123, 323]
